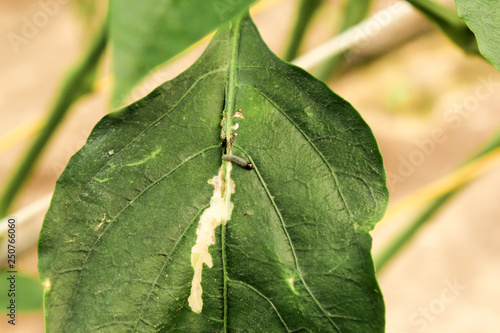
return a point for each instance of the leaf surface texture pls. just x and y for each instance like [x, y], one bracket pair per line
[294, 256]
[145, 34]
[483, 18]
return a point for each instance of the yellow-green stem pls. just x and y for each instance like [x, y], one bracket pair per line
[305, 12]
[78, 82]
[394, 246]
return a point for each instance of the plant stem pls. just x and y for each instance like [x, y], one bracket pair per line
[368, 28]
[78, 82]
[403, 238]
[450, 24]
[354, 11]
[436, 12]
[306, 10]
[426, 214]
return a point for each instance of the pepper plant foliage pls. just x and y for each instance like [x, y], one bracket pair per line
[145, 34]
[290, 249]
[482, 17]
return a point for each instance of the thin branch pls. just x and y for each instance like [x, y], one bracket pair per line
[20, 133]
[397, 243]
[305, 13]
[483, 160]
[78, 82]
[458, 178]
[449, 22]
[356, 35]
[26, 223]
[353, 12]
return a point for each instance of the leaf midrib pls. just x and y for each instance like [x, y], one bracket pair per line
[228, 111]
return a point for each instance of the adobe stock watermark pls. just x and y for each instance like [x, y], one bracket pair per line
[455, 117]
[31, 26]
[378, 21]
[423, 317]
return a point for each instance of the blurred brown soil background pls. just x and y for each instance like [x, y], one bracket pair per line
[406, 85]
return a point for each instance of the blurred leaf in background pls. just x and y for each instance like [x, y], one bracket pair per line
[28, 292]
[172, 26]
[483, 18]
[450, 24]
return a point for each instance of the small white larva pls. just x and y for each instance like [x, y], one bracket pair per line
[238, 160]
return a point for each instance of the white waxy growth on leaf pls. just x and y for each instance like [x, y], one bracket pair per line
[218, 213]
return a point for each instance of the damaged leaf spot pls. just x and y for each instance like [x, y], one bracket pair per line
[238, 114]
[144, 160]
[218, 213]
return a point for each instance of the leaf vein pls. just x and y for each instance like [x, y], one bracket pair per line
[267, 299]
[289, 239]
[183, 234]
[152, 124]
[313, 146]
[71, 302]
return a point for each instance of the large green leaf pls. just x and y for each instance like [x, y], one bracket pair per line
[117, 248]
[483, 18]
[146, 33]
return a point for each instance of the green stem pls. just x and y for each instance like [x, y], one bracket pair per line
[306, 10]
[78, 82]
[436, 12]
[403, 238]
[491, 145]
[449, 22]
[353, 12]
[427, 213]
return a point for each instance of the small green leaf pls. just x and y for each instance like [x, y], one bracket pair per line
[21, 292]
[483, 18]
[145, 34]
[130, 225]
